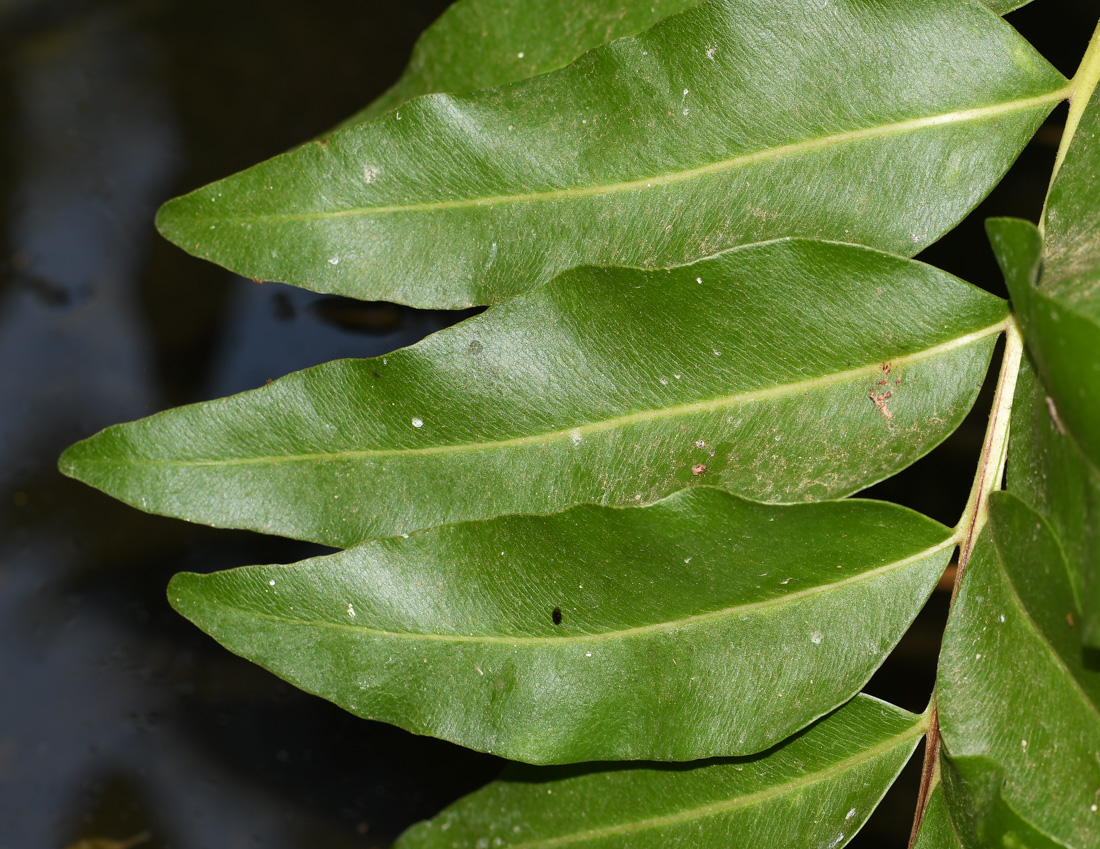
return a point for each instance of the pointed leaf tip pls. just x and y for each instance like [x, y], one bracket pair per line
[598, 633]
[578, 166]
[614, 386]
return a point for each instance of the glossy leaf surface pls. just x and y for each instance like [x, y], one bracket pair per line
[729, 123]
[787, 371]
[700, 626]
[814, 790]
[1063, 339]
[936, 829]
[1018, 697]
[479, 44]
[1048, 471]
[1071, 256]
[1055, 438]
[968, 811]
[1003, 7]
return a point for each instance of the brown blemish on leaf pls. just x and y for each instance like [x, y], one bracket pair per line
[698, 469]
[879, 399]
[1069, 619]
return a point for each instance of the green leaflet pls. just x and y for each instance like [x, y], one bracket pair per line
[1060, 310]
[1071, 219]
[936, 829]
[1054, 279]
[979, 816]
[728, 123]
[1055, 436]
[1016, 694]
[1063, 338]
[1003, 7]
[699, 626]
[1048, 471]
[786, 371]
[479, 44]
[816, 789]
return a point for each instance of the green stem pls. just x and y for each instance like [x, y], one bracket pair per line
[1081, 88]
[990, 473]
[994, 454]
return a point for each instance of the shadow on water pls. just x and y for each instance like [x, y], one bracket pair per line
[119, 717]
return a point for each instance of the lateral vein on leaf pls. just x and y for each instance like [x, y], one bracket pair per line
[1033, 626]
[603, 635]
[729, 805]
[793, 149]
[709, 405]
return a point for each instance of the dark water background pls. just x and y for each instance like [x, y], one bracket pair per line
[116, 715]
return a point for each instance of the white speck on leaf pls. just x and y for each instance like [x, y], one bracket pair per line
[815, 638]
[520, 54]
[710, 53]
[418, 422]
[370, 172]
[351, 611]
[850, 814]
[272, 582]
[335, 260]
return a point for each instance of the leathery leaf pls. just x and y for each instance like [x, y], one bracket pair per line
[1019, 698]
[700, 626]
[814, 790]
[479, 44]
[1056, 420]
[728, 123]
[787, 371]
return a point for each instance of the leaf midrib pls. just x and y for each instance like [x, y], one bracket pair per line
[793, 149]
[656, 627]
[916, 730]
[582, 430]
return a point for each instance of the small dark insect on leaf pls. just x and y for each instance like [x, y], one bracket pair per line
[556, 615]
